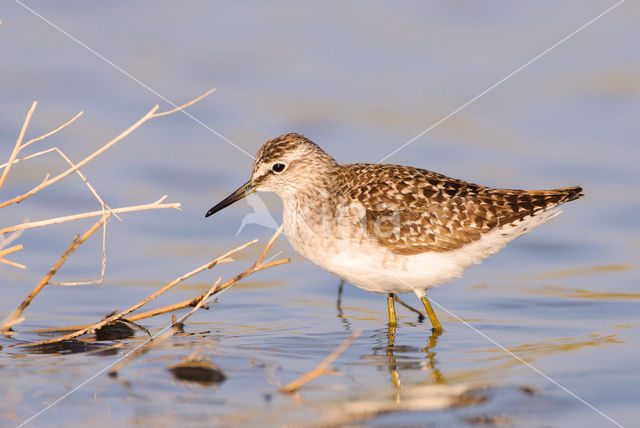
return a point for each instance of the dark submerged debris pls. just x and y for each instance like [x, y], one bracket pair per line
[490, 420]
[116, 330]
[529, 390]
[72, 346]
[179, 326]
[196, 368]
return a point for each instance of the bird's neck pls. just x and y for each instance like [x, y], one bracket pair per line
[309, 208]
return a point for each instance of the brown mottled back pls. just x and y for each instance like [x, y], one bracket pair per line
[411, 210]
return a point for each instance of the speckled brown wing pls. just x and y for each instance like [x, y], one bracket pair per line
[411, 210]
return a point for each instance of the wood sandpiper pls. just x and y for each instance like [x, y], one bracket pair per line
[387, 228]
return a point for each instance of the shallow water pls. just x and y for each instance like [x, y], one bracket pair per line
[545, 333]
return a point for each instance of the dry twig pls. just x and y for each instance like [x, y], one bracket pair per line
[322, 367]
[66, 159]
[11, 250]
[257, 266]
[19, 146]
[75, 243]
[198, 305]
[134, 317]
[222, 259]
[201, 298]
[48, 182]
[172, 330]
[13, 159]
[143, 349]
[15, 316]
[4, 242]
[50, 133]
[215, 288]
[152, 206]
[198, 301]
[16, 148]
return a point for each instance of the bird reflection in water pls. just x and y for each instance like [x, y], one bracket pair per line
[391, 348]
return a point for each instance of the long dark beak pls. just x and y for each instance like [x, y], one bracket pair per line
[246, 189]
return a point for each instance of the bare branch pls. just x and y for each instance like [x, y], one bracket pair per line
[198, 305]
[48, 134]
[75, 243]
[74, 284]
[11, 250]
[17, 147]
[183, 106]
[257, 266]
[4, 241]
[91, 189]
[11, 263]
[143, 349]
[270, 244]
[199, 300]
[172, 330]
[48, 182]
[222, 259]
[152, 206]
[103, 265]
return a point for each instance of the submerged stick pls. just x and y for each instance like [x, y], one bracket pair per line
[322, 367]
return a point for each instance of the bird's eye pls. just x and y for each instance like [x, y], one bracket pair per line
[278, 167]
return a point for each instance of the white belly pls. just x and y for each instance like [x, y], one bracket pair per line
[375, 268]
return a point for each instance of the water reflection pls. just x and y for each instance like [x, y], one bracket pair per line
[391, 348]
[393, 368]
[500, 360]
[401, 359]
[75, 346]
[580, 293]
[415, 397]
[430, 351]
[343, 319]
[420, 384]
[581, 271]
[410, 390]
[432, 393]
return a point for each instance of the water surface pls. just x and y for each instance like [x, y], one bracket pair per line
[532, 334]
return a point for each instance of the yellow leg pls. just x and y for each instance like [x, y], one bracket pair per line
[392, 310]
[432, 315]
